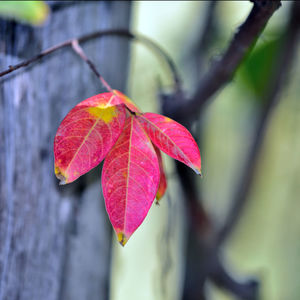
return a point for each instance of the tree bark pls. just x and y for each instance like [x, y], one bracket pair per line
[54, 240]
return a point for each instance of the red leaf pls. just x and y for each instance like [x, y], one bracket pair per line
[105, 100]
[172, 138]
[130, 179]
[163, 179]
[85, 136]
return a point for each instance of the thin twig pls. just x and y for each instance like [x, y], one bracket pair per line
[223, 70]
[76, 47]
[35, 58]
[161, 53]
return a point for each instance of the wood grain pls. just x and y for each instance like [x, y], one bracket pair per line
[54, 242]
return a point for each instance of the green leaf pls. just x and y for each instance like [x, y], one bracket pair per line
[257, 69]
[32, 12]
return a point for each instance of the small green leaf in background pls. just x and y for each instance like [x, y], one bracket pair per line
[257, 69]
[32, 12]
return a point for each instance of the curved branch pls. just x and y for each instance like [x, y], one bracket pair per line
[98, 34]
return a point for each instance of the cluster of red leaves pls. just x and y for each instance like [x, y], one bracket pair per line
[110, 125]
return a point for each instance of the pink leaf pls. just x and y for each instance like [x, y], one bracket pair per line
[130, 179]
[84, 138]
[172, 138]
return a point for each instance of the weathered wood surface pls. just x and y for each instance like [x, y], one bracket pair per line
[54, 241]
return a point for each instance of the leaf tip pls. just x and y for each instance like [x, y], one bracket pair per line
[159, 195]
[59, 175]
[122, 238]
[198, 171]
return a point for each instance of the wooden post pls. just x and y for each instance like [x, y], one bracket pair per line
[54, 240]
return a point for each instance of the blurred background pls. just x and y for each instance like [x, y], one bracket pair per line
[264, 244]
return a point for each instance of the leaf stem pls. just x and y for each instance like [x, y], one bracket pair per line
[76, 47]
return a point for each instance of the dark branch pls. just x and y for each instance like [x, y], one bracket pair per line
[214, 268]
[223, 70]
[200, 222]
[246, 290]
[285, 59]
[98, 34]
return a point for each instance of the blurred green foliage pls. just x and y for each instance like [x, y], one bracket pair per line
[258, 67]
[32, 12]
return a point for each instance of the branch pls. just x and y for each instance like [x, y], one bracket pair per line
[285, 59]
[223, 70]
[200, 222]
[209, 263]
[246, 290]
[161, 53]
